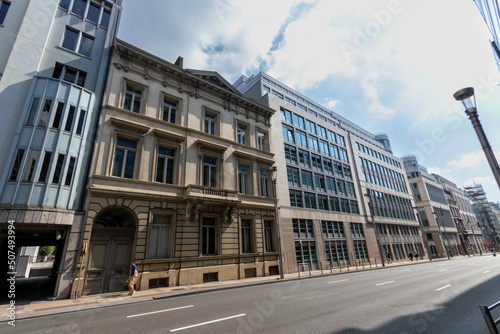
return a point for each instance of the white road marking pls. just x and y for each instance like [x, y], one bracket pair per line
[442, 270]
[170, 309]
[342, 280]
[443, 287]
[485, 272]
[389, 282]
[208, 322]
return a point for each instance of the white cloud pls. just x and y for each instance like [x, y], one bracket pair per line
[471, 159]
[330, 103]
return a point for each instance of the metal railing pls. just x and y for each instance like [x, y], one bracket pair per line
[492, 324]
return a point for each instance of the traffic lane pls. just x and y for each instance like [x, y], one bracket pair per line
[299, 291]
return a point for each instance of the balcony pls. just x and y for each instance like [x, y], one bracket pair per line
[211, 194]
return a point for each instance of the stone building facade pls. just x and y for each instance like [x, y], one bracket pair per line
[180, 181]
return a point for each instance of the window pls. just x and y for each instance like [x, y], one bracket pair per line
[59, 168]
[332, 136]
[93, 13]
[301, 138]
[287, 133]
[290, 154]
[246, 236]
[262, 140]
[313, 143]
[299, 121]
[333, 229]
[334, 204]
[165, 165]
[32, 112]
[244, 179]
[64, 4]
[293, 176]
[303, 228]
[210, 123]
[69, 174]
[45, 167]
[319, 182]
[304, 159]
[357, 230]
[310, 201]
[307, 180]
[208, 240]
[311, 126]
[81, 121]
[56, 122]
[340, 140]
[132, 99]
[322, 132]
[17, 165]
[268, 236]
[265, 189]
[45, 113]
[296, 199]
[242, 134]
[324, 147]
[78, 42]
[69, 121]
[69, 74]
[322, 202]
[316, 162]
[124, 160]
[169, 110]
[4, 8]
[209, 171]
[79, 7]
[286, 115]
[106, 16]
[31, 166]
[159, 237]
[330, 184]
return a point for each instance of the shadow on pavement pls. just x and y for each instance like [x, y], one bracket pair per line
[444, 318]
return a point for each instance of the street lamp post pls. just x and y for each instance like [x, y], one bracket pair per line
[368, 196]
[466, 96]
[422, 227]
[274, 176]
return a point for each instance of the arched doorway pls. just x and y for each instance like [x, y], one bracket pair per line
[110, 251]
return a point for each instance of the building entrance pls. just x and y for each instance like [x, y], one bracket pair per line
[110, 252]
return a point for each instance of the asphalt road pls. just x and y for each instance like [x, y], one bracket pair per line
[436, 297]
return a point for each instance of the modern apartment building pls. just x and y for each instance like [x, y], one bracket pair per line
[180, 180]
[330, 173]
[441, 233]
[469, 233]
[53, 63]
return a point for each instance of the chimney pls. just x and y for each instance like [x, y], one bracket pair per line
[179, 62]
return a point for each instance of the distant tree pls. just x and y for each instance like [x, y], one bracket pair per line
[46, 250]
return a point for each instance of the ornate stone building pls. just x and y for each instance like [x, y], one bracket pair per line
[180, 180]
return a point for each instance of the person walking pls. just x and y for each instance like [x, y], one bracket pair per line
[416, 256]
[132, 277]
[388, 256]
[410, 255]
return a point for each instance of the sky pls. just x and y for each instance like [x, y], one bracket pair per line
[387, 65]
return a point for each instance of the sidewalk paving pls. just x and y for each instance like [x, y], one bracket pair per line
[44, 308]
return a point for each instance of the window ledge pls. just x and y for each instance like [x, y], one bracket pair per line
[121, 123]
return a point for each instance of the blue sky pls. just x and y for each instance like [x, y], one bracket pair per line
[388, 65]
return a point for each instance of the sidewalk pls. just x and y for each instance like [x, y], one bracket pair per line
[43, 308]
